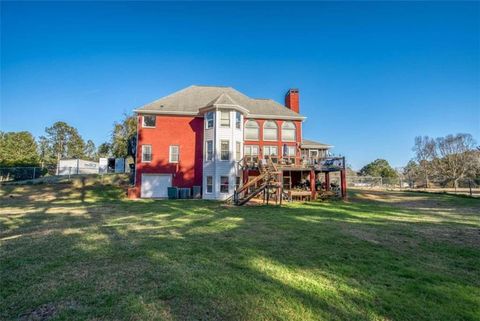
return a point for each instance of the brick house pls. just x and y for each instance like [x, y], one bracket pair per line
[199, 135]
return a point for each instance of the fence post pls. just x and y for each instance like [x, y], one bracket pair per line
[69, 172]
[34, 173]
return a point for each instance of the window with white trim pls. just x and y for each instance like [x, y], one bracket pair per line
[224, 150]
[250, 153]
[146, 153]
[174, 154]
[238, 120]
[288, 150]
[251, 130]
[209, 120]
[209, 150]
[149, 121]
[209, 184]
[225, 118]
[272, 152]
[223, 184]
[238, 151]
[289, 131]
[270, 130]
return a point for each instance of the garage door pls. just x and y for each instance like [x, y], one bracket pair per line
[155, 185]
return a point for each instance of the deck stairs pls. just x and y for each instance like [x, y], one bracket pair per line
[268, 179]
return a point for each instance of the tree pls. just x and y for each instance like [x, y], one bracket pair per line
[378, 167]
[103, 150]
[64, 141]
[90, 150]
[123, 132]
[411, 173]
[424, 149]
[455, 157]
[18, 149]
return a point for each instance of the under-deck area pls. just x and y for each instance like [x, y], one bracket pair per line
[304, 180]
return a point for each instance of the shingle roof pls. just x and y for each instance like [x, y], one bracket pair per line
[189, 100]
[306, 143]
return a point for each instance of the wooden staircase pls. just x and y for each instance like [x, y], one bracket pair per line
[268, 178]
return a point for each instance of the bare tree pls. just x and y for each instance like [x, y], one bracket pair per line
[424, 149]
[455, 157]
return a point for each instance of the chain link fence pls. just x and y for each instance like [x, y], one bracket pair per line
[465, 186]
[13, 174]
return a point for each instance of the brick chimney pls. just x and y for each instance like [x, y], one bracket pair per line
[292, 100]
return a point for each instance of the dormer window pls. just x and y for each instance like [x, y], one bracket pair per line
[149, 121]
[209, 120]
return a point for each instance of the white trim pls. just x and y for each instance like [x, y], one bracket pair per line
[206, 184]
[258, 116]
[143, 121]
[151, 153]
[167, 112]
[170, 154]
[201, 110]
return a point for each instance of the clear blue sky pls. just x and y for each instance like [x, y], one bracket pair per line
[371, 76]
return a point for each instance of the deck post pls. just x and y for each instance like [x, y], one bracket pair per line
[343, 184]
[312, 183]
[280, 187]
[327, 181]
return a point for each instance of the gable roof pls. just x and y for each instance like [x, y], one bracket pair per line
[190, 100]
[306, 143]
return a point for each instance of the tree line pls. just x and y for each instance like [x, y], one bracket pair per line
[63, 141]
[442, 161]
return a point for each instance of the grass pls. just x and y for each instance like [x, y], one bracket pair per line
[82, 252]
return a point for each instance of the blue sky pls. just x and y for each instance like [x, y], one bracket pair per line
[371, 75]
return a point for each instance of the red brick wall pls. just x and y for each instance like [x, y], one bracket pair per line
[184, 131]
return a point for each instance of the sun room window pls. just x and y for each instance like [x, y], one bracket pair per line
[288, 131]
[251, 130]
[270, 131]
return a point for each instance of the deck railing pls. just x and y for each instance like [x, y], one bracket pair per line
[320, 163]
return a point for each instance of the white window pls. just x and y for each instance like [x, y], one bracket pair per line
[270, 130]
[209, 150]
[288, 131]
[223, 184]
[270, 151]
[250, 150]
[238, 151]
[174, 154]
[225, 118]
[251, 130]
[224, 150]
[238, 120]
[209, 120]
[149, 121]
[250, 153]
[288, 151]
[146, 153]
[209, 184]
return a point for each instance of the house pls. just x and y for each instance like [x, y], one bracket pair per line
[216, 137]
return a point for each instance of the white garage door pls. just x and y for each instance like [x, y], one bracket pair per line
[155, 185]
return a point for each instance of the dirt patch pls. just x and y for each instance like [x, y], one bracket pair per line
[47, 311]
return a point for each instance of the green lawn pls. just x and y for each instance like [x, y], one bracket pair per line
[83, 252]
